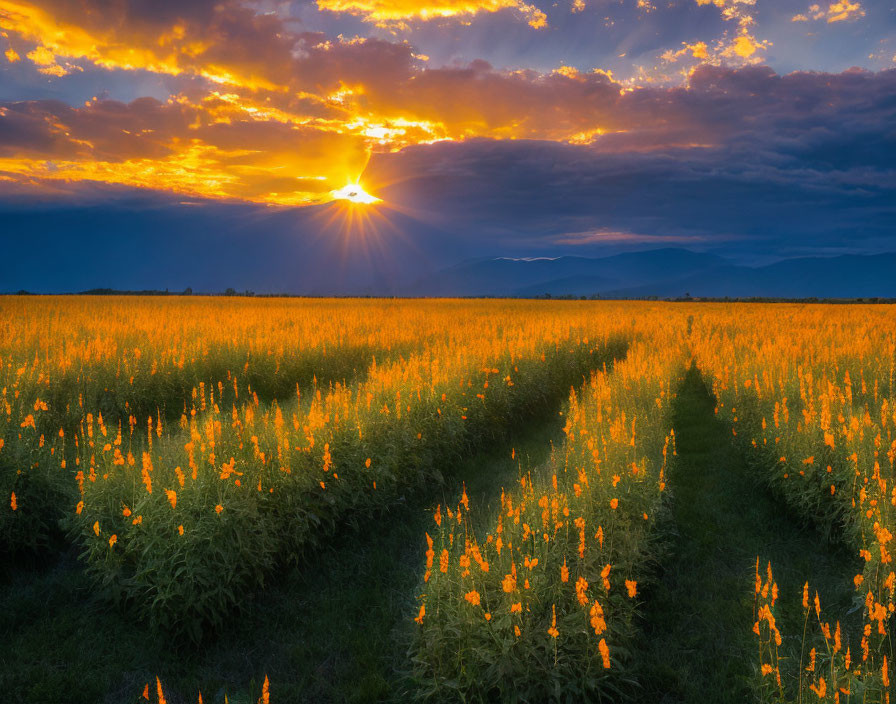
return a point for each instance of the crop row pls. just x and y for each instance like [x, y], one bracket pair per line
[534, 599]
[814, 408]
[188, 526]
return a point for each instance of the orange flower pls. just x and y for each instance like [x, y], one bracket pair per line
[12, 502]
[552, 631]
[172, 497]
[112, 540]
[79, 507]
[147, 472]
[632, 587]
[96, 528]
[581, 589]
[443, 561]
[821, 689]
[614, 503]
[419, 617]
[159, 691]
[219, 508]
[265, 691]
[516, 608]
[564, 572]
[597, 618]
[126, 512]
[604, 575]
[472, 597]
[604, 653]
[508, 584]
[180, 530]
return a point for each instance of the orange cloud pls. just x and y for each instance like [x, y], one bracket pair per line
[387, 12]
[740, 11]
[835, 12]
[224, 42]
[739, 46]
[185, 148]
[744, 46]
[697, 50]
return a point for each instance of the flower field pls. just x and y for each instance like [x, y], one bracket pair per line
[460, 500]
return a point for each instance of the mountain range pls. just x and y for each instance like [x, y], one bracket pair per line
[664, 273]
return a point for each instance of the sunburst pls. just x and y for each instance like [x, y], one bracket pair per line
[354, 193]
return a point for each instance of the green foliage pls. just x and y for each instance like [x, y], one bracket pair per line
[287, 479]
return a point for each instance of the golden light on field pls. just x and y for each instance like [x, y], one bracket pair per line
[166, 424]
[354, 193]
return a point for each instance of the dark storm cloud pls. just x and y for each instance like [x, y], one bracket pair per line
[792, 162]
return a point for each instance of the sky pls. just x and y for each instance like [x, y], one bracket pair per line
[266, 144]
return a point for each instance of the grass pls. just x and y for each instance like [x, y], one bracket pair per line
[698, 645]
[334, 631]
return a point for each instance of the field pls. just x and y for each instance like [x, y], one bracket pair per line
[278, 500]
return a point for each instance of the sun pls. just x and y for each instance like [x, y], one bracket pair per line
[354, 193]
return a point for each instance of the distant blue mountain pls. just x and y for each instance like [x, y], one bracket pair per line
[665, 273]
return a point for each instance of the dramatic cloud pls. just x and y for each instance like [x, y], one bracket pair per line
[223, 147]
[506, 126]
[787, 164]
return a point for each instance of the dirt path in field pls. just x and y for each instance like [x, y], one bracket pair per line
[697, 621]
